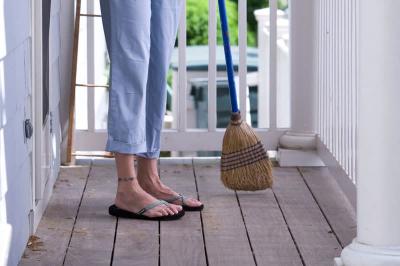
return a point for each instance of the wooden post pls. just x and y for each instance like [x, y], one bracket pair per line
[71, 126]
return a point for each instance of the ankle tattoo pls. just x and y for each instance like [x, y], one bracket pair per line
[129, 178]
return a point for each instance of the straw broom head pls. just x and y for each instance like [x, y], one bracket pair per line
[244, 162]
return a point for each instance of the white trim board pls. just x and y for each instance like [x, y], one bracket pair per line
[173, 140]
[343, 180]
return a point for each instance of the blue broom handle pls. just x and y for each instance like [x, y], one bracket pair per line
[228, 55]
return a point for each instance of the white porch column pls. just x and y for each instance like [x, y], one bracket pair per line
[302, 66]
[378, 183]
[298, 146]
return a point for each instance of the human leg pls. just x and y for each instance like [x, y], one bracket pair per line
[129, 48]
[106, 19]
[164, 25]
[163, 28]
[128, 38]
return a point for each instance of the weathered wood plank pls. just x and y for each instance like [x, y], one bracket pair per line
[270, 237]
[224, 230]
[136, 243]
[55, 228]
[93, 236]
[317, 243]
[332, 201]
[181, 240]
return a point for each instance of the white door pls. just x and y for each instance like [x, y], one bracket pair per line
[43, 121]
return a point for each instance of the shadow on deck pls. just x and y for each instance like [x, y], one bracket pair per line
[304, 220]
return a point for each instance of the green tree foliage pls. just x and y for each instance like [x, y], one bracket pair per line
[197, 22]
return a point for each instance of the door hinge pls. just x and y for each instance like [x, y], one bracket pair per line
[51, 122]
[28, 128]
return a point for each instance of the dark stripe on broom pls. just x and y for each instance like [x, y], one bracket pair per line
[244, 162]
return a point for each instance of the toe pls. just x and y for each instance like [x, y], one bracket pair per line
[159, 214]
[194, 202]
[176, 208]
[170, 211]
[165, 212]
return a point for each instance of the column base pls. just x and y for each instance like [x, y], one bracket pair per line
[357, 254]
[298, 149]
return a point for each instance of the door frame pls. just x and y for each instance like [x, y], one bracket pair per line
[43, 175]
[41, 192]
[37, 85]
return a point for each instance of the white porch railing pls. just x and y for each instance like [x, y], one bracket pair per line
[92, 135]
[335, 86]
[283, 70]
[337, 79]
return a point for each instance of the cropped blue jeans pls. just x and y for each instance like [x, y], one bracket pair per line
[140, 36]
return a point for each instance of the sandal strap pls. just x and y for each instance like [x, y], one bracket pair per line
[177, 197]
[152, 205]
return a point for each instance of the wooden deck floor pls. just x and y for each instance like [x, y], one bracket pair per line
[304, 220]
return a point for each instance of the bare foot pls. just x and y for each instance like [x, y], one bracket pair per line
[149, 180]
[130, 196]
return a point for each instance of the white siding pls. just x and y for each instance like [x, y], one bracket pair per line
[15, 106]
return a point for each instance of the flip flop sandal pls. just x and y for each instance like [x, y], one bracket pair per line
[185, 207]
[118, 212]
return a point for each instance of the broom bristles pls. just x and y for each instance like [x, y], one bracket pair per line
[244, 162]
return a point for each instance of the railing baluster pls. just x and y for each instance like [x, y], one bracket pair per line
[212, 65]
[348, 54]
[329, 71]
[319, 57]
[337, 79]
[334, 85]
[321, 21]
[339, 93]
[355, 34]
[333, 89]
[273, 5]
[90, 67]
[324, 79]
[348, 124]
[326, 76]
[243, 59]
[344, 146]
[182, 72]
[339, 82]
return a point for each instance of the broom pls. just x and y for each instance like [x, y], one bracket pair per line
[244, 162]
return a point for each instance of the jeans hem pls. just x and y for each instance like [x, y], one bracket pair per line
[149, 154]
[139, 149]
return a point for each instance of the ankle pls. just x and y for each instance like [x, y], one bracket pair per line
[149, 181]
[126, 195]
[127, 184]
